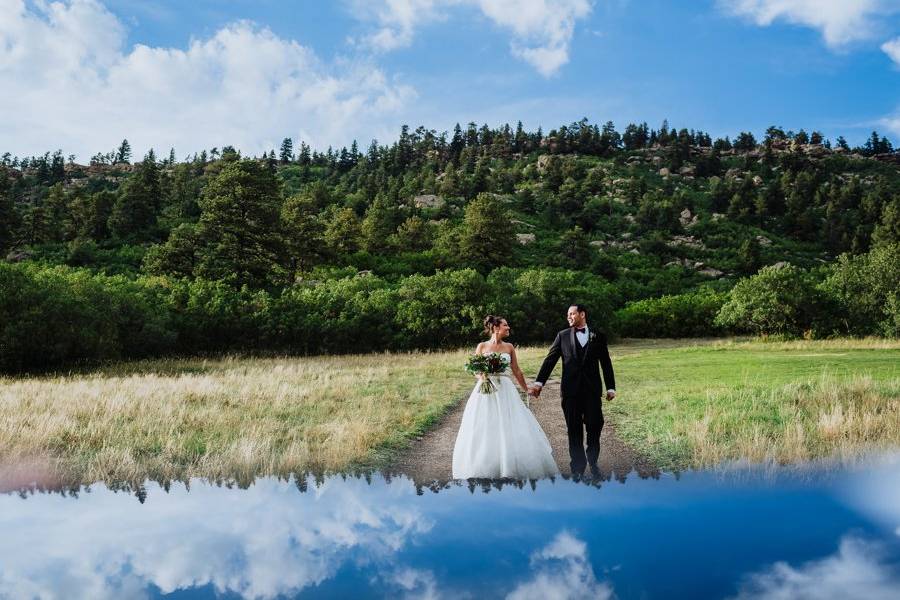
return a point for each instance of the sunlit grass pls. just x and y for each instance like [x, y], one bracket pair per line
[683, 403]
[225, 418]
[782, 402]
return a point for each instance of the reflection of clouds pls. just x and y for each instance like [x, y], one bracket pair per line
[561, 570]
[857, 570]
[875, 489]
[413, 583]
[260, 542]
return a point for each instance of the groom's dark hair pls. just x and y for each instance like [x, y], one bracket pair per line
[579, 307]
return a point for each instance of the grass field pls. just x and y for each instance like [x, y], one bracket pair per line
[228, 418]
[683, 403]
[698, 404]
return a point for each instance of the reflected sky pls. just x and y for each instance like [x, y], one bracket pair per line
[743, 534]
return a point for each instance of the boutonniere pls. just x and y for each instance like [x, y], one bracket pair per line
[592, 336]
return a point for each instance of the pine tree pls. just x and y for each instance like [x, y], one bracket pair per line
[414, 234]
[178, 256]
[380, 223]
[342, 232]
[134, 214]
[286, 154]
[8, 217]
[744, 142]
[574, 245]
[303, 232]
[123, 154]
[749, 256]
[56, 213]
[888, 229]
[239, 238]
[488, 236]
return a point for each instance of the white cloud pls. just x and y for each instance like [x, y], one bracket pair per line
[855, 571]
[70, 82]
[397, 20]
[263, 542]
[892, 49]
[413, 583]
[541, 30]
[840, 21]
[562, 571]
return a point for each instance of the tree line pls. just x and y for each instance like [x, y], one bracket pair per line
[671, 220]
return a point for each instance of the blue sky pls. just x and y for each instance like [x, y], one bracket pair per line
[82, 74]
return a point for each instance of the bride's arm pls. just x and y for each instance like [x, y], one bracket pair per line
[517, 372]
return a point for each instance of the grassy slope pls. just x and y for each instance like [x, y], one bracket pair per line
[684, 403]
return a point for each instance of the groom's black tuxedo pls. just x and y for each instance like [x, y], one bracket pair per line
[581, 390]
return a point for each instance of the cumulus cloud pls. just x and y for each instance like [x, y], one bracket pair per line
[561, 570]
[70, 81]
[857, 570]
[397, 20]
[840, 21]
[267, 541]
[413, 583]
[541, 30]
[892, 49]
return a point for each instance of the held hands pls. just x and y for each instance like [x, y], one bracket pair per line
[534, 390]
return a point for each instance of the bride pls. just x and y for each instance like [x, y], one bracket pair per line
[498, 436]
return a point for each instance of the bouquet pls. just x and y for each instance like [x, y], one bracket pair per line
[487, 364]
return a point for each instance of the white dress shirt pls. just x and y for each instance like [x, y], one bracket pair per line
[582, 337]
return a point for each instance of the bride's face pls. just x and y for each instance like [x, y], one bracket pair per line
[502, 329]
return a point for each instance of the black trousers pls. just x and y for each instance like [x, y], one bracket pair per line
[583, 412]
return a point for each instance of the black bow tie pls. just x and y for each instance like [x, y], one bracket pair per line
[582, 330]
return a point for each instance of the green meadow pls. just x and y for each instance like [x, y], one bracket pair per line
[683, 404]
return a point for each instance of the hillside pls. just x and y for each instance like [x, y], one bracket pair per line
[480, 219]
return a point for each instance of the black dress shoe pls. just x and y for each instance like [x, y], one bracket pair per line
[595, 471]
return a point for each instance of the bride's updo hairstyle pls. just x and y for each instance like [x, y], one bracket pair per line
[490, 322]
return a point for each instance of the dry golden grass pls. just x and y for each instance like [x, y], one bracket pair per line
[683, 403]
[825, 418]
[230, 418]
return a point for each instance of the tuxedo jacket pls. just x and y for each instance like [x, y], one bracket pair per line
[581, 366]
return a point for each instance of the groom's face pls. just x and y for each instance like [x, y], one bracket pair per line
[575, 318]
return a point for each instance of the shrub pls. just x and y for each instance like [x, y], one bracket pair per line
[535, 300]
[862, 286]
[55, 316]
[684, 315]
[774, 301]
[443, 309]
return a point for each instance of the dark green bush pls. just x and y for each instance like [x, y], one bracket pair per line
[683, 315]
[55, 316]
[865, 289]
[777, 300]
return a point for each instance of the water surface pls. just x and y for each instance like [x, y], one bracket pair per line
[746, 533]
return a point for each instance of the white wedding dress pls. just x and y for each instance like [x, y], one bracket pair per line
[500, 438]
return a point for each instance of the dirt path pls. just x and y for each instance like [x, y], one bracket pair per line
[429, 458]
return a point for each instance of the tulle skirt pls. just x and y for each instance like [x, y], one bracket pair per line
[500, 438]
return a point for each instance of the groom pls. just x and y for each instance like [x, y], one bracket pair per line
[583, 352]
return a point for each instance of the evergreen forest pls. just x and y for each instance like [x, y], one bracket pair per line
[660, 232]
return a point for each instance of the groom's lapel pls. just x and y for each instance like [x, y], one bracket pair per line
[573, 341]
